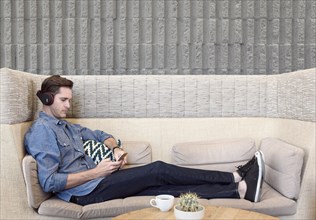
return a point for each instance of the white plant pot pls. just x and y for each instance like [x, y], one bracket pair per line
[189, 215]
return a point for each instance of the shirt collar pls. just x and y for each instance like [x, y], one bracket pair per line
[51, 118]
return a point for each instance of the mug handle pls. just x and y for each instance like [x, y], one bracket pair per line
[153, 203]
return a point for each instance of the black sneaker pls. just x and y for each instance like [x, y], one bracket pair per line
[254, 179]
[243, 169]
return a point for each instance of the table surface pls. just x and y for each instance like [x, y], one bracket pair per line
[211, 212]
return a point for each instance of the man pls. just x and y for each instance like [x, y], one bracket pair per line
[65, 169]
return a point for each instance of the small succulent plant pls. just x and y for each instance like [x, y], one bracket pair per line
[189, 202]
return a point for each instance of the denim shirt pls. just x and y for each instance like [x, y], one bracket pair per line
[57, 147]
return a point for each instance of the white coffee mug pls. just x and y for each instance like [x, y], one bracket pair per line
[163, 202]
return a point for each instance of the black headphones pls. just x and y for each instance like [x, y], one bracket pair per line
[47, 98]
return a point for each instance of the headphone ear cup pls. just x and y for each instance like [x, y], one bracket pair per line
[46, 98]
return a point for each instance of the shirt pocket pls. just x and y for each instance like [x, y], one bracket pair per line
[66, 148]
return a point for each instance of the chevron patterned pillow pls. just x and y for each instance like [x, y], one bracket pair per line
[97, 151]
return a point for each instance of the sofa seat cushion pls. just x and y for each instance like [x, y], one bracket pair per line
[224, 154]
[139, 153]
[272, 203]
[58, 208]
[283, 162]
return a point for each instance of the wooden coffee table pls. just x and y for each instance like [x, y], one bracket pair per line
[211, 212]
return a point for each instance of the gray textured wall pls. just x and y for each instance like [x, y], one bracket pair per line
[158, 36]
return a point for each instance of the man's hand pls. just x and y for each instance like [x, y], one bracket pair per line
[106, 167]
[119, 152]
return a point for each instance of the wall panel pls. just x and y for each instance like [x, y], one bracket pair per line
[75, 37]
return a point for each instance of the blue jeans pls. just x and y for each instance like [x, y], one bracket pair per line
[161, 178]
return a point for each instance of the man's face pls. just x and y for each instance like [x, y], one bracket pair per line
[61, 103]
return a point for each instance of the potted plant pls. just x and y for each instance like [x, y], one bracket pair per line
[189, 207]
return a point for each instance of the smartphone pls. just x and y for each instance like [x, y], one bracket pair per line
[122, 157]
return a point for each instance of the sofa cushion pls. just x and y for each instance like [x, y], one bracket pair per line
[139, 153]
[222, 154]
[35, 194]
[283, 163]
[272, 203]
[58, 208]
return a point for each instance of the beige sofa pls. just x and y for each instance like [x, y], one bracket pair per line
[175, 119]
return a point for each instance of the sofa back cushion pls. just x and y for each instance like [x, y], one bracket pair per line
[139, 153]
[283, 163]
[222, 154]
[147, 96]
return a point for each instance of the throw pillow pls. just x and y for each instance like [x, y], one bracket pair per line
[97, 151]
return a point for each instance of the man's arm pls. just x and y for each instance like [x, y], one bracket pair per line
[104, 168]
[42, 145]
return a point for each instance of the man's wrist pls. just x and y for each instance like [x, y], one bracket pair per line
[113, 149]
[118, 145]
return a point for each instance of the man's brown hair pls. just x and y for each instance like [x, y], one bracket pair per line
[53, 83]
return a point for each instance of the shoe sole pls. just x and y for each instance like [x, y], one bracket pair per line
[259, 156]
[263, 162]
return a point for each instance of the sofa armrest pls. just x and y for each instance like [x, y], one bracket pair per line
[35, 194]
[283, 166]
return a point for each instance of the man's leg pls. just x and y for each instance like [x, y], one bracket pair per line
[206, 191]
[159, 176]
